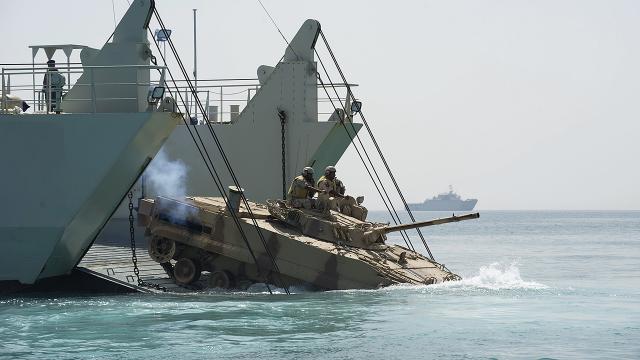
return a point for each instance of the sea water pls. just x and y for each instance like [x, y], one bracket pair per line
[562, 285]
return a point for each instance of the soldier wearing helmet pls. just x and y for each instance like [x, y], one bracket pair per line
[301, 190]
[329, 184]
[331, 190]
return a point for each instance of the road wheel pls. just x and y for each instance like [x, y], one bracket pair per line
[186, 271]
[161, 249]
[221, 279]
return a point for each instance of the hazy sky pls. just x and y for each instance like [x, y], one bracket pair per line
[522, 104]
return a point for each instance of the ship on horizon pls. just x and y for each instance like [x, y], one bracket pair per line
[448, 201]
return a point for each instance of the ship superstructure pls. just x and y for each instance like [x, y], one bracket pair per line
[448, 201]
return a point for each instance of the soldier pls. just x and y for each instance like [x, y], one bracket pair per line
[301, 191]
[332, 196]
[331, 190]
[52, 87]
[330, 184]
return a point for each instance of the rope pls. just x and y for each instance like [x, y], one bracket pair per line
[403, 233]
[384, 161]
[406, 241]
[390, 208]
[277, 28]
[222, 153]
[113, 7]
[283, 118]
[210, 167]
[209, 164]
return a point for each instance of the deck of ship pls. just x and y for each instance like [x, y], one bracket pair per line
[114, 263]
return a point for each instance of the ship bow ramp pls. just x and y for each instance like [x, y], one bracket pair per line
[67, 176]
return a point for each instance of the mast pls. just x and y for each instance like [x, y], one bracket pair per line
[195, 63]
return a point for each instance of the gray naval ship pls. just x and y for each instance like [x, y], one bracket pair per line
[448, 201]
[109, 127]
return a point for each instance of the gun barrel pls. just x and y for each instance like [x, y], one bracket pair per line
[445, 220]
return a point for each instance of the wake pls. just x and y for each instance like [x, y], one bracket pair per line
[495, 276]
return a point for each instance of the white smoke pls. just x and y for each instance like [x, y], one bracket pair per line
[166, 177]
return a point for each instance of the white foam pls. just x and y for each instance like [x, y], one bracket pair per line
[495, 277]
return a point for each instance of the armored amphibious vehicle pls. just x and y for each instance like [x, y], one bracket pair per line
[324, 250]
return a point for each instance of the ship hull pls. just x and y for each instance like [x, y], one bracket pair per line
[444, 205]
[64, 177]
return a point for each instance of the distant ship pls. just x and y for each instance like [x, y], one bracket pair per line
[449, 201]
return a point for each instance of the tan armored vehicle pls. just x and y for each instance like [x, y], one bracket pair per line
[325, 250]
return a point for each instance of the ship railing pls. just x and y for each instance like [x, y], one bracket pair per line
[38, 96]
[224, 100]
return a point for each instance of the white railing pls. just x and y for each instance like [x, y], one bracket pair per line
[14, 82]
[222, 99]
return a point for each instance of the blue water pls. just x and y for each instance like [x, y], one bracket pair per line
[536, 285]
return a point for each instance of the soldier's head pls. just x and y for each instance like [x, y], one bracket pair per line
[330, 172]
[51, 63]
[307, 172]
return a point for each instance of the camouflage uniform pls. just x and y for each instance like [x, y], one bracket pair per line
[329, 186]
[327, 200]
[299, 195]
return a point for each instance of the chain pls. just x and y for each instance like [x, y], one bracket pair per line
[283, 119]
[134, 257]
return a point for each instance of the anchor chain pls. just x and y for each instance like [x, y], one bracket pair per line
[283, 119]
[134, 257]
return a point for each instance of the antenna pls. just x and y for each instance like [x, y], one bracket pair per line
[195, 62]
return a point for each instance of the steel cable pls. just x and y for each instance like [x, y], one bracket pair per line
[209, 164]
[382, 157]
[406, 241]
[390, 208]
[210, 167]
[226, 161]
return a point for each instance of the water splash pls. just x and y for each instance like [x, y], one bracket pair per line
[495, 277]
